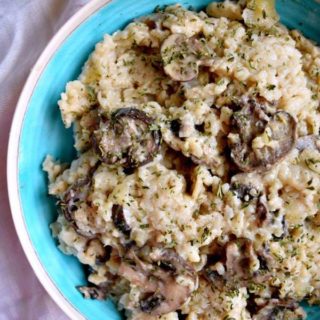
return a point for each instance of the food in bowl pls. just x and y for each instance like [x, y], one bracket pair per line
[195, 192]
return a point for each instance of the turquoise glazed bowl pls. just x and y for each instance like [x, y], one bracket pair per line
[37, 130]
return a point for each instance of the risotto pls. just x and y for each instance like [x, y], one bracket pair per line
[195, 192]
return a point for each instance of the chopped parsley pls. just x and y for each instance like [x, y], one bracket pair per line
[271, 87]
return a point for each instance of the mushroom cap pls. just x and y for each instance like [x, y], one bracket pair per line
[156, 275]
[93, 292]
[127, 138]
[259, 141]
[74, 198]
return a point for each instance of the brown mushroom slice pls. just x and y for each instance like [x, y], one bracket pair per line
[169, 260]
[175, 295]
[278, 134]
[282, 132]
[280, 309]
[119, 220]
[217, 281]
[170, 266]
[241, 264]
[151, 303]
[245, 192]
[266, 260]
[262, 212]
[153, 21]
[182, 56]
[240, 258]
[246, 124]
[72, 199]
[100, 253]
[128, 138]
[155, 275]
[247, 186]
[308, 142]
[93, 292]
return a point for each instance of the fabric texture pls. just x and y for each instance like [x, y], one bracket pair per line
[26, 26]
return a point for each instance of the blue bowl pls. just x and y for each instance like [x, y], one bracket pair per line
[37, 130]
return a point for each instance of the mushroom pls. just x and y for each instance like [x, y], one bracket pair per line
[280, 309]
[308, 142]
[244, 192]
[149, 304]
[129, 138]
[266, 260]
[236, 263]
[119, 220]
[156, 275]
[93, 292]
[240, 258]
[74, 197]
[217, 281]
[71, 199]
[258, 141]
[262, 212]
[182, 56]
[153, 21]
[100, 253]
[249, 187]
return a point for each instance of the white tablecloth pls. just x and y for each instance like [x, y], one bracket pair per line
[26, 26]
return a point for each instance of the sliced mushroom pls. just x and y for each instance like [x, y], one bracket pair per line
[258, 141]
[249, 187]
[72, 199]
[153, 21]
[75, 195]
[175, 126]
[182, 56]
[266, 261]
[236, 263]
[308, 142]
[280, 310]
[152, 302]
[240, 258]
[262, 212]
[244, 192]
[98, 251]
[128, 138]
[93, 292]
[156, 276]
[281, 130]
[119, 220]
[217, 281]
[182, 316]
[169, 260]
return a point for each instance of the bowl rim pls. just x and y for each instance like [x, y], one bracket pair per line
[13, 152]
